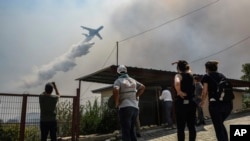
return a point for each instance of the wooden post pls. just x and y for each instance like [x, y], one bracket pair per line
[157, 93]
[23, 118]
[78, 114]
[117, 51]
[74, 124]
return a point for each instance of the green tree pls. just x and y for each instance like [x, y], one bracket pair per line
[64, 118]
[246, 77]
[90, 117]
[246, 71]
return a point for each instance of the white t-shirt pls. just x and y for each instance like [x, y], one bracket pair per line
[166, 96]
[128, 88]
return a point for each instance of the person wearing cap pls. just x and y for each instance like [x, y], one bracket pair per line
[126, 91]
[48, 123]
[218, 110]
[184, 105]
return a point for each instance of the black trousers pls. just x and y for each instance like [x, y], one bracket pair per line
[185, 115]
[219, 111]
[47, 127]
[128, 119]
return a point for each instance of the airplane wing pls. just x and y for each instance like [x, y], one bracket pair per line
[99, 35]
[89, 29]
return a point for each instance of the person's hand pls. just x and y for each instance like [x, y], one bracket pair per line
[53, 83]
[201, 103]
[116, 106]
[137, 98]
[182, 94]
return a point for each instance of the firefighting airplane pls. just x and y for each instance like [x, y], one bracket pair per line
[92, 32]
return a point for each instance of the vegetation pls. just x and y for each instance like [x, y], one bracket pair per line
[109, 120]
[64, 118]
[9, 132]
[98, 119]
[90, 118]
[95, 118]
[246, 77]
[246, 71]
[32, 133]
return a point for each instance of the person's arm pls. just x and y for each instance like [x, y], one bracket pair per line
[204, 94]
[54, 85]
[140, 91]
[177, 85]
[116, 92]
[161, 95]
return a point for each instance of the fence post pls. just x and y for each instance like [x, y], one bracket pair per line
[78, 114]
[73, 129]
[23, 118]
[76, 117]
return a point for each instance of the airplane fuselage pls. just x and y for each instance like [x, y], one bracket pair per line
[93, 32]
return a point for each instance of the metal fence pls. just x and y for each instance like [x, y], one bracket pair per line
[20, 116]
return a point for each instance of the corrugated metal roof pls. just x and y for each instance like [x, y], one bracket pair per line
[148, 77]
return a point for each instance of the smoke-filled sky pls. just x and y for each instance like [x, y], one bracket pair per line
[39, 35]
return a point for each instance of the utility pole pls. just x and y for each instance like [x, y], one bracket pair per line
[117, 53]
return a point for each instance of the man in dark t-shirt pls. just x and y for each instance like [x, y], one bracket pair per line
[48, 123]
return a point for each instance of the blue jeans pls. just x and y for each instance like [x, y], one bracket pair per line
[168, 110]
[200, 117]
[127, 120]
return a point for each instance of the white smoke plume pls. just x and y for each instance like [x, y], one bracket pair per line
[63, 63]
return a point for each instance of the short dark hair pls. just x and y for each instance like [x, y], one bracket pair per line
[212, 65]
[48, 88]
[183, 65]
[196, 77]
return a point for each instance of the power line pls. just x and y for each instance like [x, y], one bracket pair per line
[108, 57]
[105, 62]
[233, 45]
[175, 19]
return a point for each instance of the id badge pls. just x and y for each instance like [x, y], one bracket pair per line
[186, 102]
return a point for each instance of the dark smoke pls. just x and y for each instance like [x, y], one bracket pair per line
[191, 37]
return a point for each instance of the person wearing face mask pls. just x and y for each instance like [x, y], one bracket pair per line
[127, 91]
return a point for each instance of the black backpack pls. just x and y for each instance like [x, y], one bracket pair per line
[224, 90]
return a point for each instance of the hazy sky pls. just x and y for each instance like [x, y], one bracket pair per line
[36, 34]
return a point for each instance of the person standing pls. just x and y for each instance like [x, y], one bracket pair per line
[126, 91]
[168, 105]
[185, 105]
[198, 91]
[218, 110]
[48, 123]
